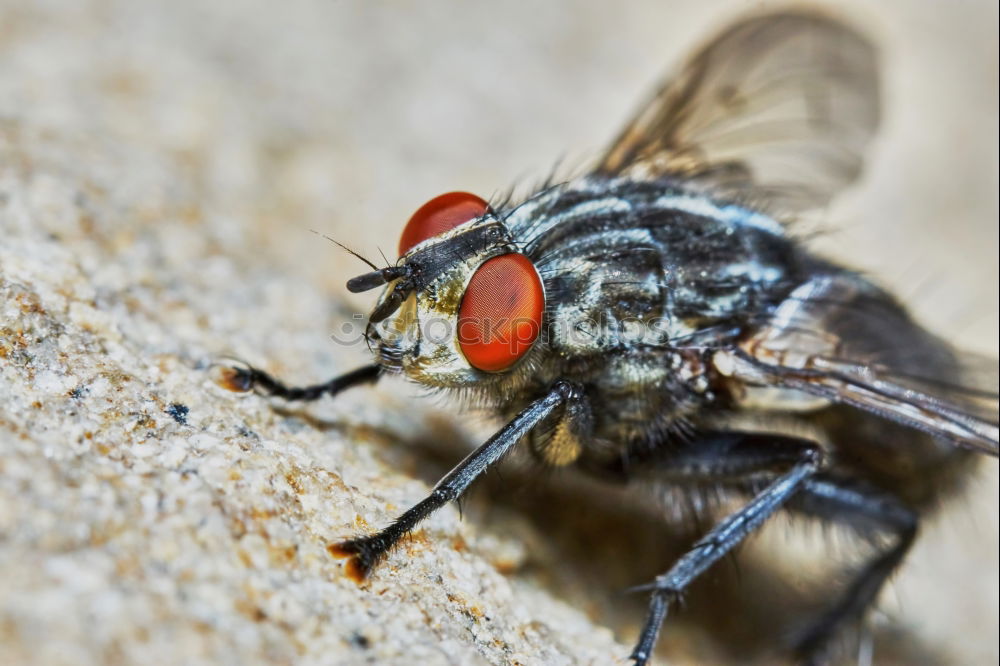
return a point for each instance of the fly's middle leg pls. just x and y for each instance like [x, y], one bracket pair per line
[790, 463]
[869, 511]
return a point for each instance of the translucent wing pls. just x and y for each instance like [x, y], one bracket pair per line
[838, 338]
[778, 110]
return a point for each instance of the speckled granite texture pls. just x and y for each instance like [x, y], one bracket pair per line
[161, 167]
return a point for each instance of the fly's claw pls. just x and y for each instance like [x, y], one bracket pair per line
[233, 375]
[363, 553]
[639, 658]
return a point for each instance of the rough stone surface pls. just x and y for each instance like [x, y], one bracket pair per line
[161, 167]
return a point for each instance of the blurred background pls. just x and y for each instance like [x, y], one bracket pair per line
[343, 117]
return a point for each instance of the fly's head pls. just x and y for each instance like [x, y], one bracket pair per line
[461, 307]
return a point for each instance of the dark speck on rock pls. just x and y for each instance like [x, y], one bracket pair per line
[244, 431]
[179, 412]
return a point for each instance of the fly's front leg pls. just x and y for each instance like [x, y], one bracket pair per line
[239, 377]
[725, 457]
[366, 552]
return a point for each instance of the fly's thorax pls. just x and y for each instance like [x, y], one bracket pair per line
[649, 263]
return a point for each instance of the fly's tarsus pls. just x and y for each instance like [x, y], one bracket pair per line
[363, 553]
[366, 552]
[233, 375]
[239, 377]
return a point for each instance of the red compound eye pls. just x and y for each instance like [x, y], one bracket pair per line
[501, 313]
[439, 215]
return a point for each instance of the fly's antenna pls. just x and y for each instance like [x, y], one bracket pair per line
[376, 278]
[347, 249]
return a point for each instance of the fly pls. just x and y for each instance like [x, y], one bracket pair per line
[646, 322]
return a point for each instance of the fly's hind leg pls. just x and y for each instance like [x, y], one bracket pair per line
[869, 511]
[239, 377]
